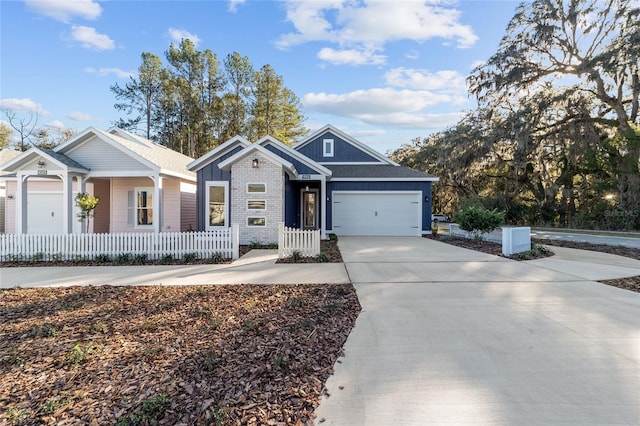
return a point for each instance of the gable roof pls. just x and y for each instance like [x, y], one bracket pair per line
[61, 160]
[155, 156]
[276, 159]
[217, 152]
[359, 145]
[269, 140]
[6, 155]
[378, 172]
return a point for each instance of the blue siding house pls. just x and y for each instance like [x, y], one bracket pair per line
[329, 181]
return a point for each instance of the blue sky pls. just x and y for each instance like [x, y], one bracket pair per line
[383, 71]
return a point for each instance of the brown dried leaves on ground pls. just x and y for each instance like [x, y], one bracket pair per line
[240, 354]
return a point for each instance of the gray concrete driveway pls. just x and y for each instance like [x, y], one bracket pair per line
[451, 336]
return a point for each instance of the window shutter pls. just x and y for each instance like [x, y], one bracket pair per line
[131, 209]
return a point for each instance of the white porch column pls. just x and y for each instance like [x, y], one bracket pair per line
[67, 203]
[21, 204]
[157, 203]
[323, 208]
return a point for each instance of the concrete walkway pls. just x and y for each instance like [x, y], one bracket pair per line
[257, 267]
[451, 336]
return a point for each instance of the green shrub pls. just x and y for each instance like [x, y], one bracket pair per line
[103, 258]
[255, 244]
[322, 258]
[123, 258]
[167, 258]
[478, 220]
[190, 257]
[216, 257]
[140, 259]
[296, 256]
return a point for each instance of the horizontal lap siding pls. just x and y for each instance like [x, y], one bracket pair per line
[120, 188]
[99, 156]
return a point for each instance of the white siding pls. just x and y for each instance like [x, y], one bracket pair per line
[100, 156]
[10, 208]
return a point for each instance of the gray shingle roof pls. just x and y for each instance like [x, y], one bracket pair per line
[161, 156]
[63, 159]
[375, 171]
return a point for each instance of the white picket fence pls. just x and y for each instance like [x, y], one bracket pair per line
[88, 246]
[306, 242]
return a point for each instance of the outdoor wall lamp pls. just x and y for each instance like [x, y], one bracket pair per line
[255, 163]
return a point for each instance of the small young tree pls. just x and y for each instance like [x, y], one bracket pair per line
[86, 203]
[478, 220]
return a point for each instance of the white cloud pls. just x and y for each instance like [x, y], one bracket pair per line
[177, 36]
[22, 105]
[79, 116]
[56, 124]
[350, 57]
[65, 10]
[233, 5]
[422, 79]
[400, 108]
[90, 39]
[370, 24]
[104, 72]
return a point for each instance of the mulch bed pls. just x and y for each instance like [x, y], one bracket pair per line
[193, 355]
[328, 248]
[603, 248]
[490, 247]
[629, 283]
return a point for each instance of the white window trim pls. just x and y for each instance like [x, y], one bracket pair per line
[135, 207]
[327, 143]
[256, 183]
[256, 226]
[256, 210]
[207, 200]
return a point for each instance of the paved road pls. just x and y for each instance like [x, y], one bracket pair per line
[452, 336]
[621, 240]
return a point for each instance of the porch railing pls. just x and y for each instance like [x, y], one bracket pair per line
[42, 247]
[290, 240]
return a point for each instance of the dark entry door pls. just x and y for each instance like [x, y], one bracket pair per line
[310, 209]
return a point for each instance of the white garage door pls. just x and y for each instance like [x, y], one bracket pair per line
[44, 213]
[396, 213]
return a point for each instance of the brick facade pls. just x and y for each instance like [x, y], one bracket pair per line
[269, 173]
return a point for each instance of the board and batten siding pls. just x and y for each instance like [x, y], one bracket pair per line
[170, 206]
[210, 172]
[100, 156]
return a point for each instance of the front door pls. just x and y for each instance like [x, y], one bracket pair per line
[309, 209]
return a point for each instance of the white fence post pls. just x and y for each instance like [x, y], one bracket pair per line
[235, 241]
[88, 246]
[307, 242]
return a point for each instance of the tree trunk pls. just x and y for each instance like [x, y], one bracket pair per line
[629, 188]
